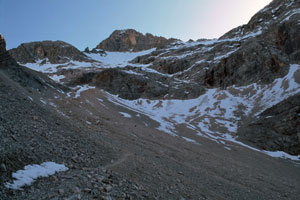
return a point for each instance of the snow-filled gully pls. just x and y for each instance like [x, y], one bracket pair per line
[216, 114]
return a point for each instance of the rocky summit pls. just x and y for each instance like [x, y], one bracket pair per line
[131, 40]
[55, 52]
[135, 117]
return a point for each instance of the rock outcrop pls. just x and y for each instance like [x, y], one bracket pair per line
[277, 128]
[11, 70]
[131, 40]
[5, 58]
[56, 52]
[133, 86]
[2, 44]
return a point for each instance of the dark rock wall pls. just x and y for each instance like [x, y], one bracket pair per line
[55, 51]
[277, 128]
[5, 58]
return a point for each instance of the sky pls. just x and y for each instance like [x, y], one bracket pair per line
[85, 23]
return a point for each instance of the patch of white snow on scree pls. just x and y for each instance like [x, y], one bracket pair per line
[125, 114]
[117, 59]
[190, 140]
[54, 68]
[281, 154]
[38, 66]
[57, 78]
[82, 89]
[32, 172]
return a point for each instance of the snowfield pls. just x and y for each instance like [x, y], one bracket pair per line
[216, 114]
[110, 60]
[117, 59]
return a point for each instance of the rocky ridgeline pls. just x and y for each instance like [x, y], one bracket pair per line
[257, 52]
[56, 52]
[131, 40]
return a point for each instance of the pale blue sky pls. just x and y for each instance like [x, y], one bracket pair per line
[87, 22]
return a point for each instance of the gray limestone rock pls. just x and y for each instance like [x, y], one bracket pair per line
[56, 52]
[277, 128]
[131, 40]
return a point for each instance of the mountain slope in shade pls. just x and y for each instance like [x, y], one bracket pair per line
[277, 128]
[55, 52]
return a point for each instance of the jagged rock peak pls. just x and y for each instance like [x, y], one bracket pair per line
[131, 40]
[277, 12]
[5, 58]
[2, 45]
[56, 52]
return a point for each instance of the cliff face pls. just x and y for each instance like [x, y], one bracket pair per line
[2, 44]
[277, 128]
[12, 71]
[56, 52]
[131, 40]
[5, 58]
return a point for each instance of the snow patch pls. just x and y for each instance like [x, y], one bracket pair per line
[190, 140]
[31, 172]
[45, 68]
[43, 101]
[291, 14]
[117, 59]
[80, 89]
[126, 115]
[281, 154]
[228, 148]
[57, 78]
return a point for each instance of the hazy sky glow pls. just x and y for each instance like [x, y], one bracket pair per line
[87, 22]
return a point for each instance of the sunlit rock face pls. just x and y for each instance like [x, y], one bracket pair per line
[131, 40]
